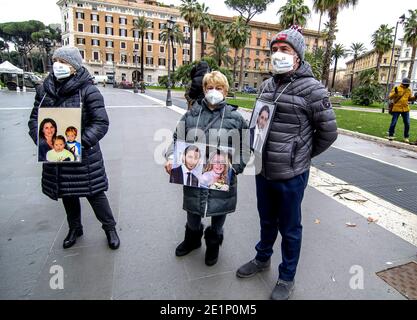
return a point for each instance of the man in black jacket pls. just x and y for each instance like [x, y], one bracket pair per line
[303, 126]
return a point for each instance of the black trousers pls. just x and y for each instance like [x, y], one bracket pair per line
[217, 222]
[100, 206]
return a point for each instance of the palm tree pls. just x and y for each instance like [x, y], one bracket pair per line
[338, 52]
[203, 21]
[382, 40]
[237, 34]
[356, 49]
[294, 12]
[189, 11]
[220, 52]
[217, 30]
[177, 37]
[410, 36]
[332, 7]
[141, 25]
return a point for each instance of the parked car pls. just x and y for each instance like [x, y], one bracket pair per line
[249, 89]
[100, 79]
[124, 84]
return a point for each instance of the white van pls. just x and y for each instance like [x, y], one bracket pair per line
[100, 79]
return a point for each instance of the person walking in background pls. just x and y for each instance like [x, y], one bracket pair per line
[303, 126]
[400, 96]
[195, 92]
[70, 85]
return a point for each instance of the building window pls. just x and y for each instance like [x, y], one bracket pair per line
[80, 15]
[122, 21]
[385, 61]
[186, 51]
[161, 26]
[258, 42]
[186, 29]
[162, 49]
[257, 52]
[135, 34]
[161, 62]
[80, 27]
[122, 45]
[255, 85]
[109, 31]
[81, 41]
[96, 56]
[123, 32]
[136, 46]
[123, 58]
[95, 42]
[123, 76]
[82, 54]
[149, 78]
[149, 48]
[268, 43]
[175, 51]
[95, 29]
[149, 61]
[149, 36]
[407, 53]
[109, 44]
[256, 64]
[109, 57]
[95, 17]
[109, 19]
[246, 74]
[247, 52]
[79, 5]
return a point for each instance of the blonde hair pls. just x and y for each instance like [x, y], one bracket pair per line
[209, 165]
[216, 78]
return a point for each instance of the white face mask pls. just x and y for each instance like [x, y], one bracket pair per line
[214, 97]
[61, 71]
[282, 62]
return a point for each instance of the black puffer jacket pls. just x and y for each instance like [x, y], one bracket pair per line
[75, 179]
[207, 202]
[304, 124]
[197, 74]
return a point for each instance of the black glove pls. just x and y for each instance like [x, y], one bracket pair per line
[396, 90]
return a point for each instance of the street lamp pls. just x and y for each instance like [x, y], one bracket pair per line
[135, 90]
[401, 20]
[170, 27]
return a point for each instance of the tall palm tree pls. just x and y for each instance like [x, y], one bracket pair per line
[338, 52]
[189, 11]
[382, 40]
[332, 7]
[220, 52]
[217, 30]
[410, 36]
[293, 12]
[177, 37]
[356, 49]
[141, 24]
[203, 22]
[237, 34]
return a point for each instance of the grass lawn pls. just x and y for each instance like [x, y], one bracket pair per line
[242, 103]
[374, 124]
[164, 88]
[376, 105]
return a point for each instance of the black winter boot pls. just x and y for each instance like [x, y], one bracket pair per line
[213, 242]
[113, 239]
[71, 238]
[192, 241]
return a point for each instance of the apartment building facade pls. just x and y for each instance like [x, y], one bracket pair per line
[404, 65]
[257, 58]
[103, 31]
[369, 60]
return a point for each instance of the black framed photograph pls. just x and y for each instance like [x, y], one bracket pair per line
[260, 124]
[59, 135]
[202, 166]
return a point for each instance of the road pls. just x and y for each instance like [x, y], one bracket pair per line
[151, 221]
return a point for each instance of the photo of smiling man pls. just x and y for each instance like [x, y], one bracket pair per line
[259, 125]
[187, 173]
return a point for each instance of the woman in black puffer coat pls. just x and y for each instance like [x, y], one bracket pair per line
[69, 86]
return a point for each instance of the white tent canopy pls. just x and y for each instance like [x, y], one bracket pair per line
[7, 67]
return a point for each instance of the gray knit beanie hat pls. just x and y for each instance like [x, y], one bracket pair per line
[294, 38]
[71, 55]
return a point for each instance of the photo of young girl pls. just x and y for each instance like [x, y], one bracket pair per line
[216, 174]
[59, 153]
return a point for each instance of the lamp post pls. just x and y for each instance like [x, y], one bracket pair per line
[135, 90]
[401, 20]
[170, 27]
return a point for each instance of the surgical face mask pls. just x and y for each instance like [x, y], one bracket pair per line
[214, 97]
[282, 62]
[61, 71]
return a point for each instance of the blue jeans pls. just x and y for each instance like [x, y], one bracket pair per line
[406, 120]
[279, 206]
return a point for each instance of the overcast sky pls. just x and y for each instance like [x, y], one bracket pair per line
[355, 25]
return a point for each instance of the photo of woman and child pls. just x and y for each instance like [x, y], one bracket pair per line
[54, 147]
[214, 173]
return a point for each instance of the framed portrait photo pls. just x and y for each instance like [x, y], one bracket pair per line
[260, 124]
[59, 135]
[202, 166]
